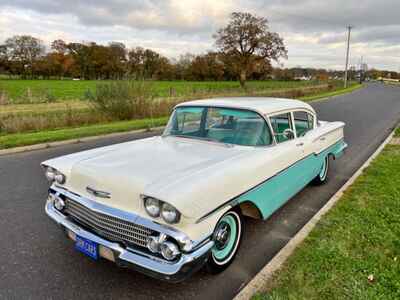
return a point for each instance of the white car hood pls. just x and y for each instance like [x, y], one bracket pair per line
[157, 166]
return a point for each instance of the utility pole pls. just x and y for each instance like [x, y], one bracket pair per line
[347, 55]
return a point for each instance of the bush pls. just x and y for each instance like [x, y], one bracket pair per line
[123, 100]
[3, 98]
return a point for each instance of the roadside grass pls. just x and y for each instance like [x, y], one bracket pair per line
[339, 91]
[33, 91]
[25, 139]
[397, 133]
[354, 251]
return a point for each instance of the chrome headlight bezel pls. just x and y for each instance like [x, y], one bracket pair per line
[53, 175]
[165, 211]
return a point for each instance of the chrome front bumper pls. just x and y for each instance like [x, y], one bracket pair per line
[176, 271]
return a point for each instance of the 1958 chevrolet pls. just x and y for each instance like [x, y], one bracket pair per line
[168, 205]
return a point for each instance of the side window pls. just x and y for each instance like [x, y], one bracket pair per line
[303, 122]
[282, 127]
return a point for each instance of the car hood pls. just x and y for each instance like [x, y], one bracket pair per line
[160, 167]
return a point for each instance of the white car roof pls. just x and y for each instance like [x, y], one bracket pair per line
[263, 105]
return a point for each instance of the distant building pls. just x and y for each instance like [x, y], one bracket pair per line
[302, 77]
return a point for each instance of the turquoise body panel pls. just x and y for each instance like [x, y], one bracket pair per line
[277, 190]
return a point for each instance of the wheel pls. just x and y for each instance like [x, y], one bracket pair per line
[322, 177]
[227, 237]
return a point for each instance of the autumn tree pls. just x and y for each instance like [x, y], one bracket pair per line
[207, 67]
[148, 64]
[60, 60]
[246, 41]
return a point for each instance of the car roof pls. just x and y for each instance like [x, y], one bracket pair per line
[262, 105]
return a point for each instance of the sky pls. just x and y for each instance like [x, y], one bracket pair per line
[314, 31]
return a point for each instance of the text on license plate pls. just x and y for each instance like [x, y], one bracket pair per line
[87, 247]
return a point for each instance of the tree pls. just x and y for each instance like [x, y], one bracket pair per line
[60, 59]
[148, 64]
[3, 58]
[24, 50]
[246, 42]
[207, 67]
[81, 55]
[117, 59]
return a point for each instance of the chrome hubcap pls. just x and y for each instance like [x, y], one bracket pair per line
[222, 236]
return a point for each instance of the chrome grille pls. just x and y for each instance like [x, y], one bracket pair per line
[107, 226]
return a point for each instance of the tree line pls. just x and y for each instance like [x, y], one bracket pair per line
[245, 49]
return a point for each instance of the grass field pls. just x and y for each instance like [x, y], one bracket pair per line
[354, 251]
[27, 124]
[27, 91]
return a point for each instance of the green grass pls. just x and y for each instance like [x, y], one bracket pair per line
[24, 139]
[397, 133]
[20, 91]
[339, 91]
[358, 238]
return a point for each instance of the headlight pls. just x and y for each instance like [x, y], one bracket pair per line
[60, 178]
[50, 174]
[152, 206]
[54, 175]
[170, 214]
[156, 208]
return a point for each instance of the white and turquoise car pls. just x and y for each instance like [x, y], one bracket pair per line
[171, 204]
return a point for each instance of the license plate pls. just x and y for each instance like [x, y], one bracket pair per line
[87, 247]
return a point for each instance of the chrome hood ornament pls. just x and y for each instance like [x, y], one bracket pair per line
[98, 193]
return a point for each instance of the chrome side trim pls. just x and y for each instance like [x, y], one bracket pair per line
[143, 262]
[233, 202]
[185, 242]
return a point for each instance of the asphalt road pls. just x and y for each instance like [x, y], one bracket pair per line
[38, 262]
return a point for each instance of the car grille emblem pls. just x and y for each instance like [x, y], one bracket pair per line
[97, 193]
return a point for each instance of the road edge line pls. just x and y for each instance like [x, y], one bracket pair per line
[258, 281]
[73, 141]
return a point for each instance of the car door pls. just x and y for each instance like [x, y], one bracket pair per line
[304, 124]
[290, 153]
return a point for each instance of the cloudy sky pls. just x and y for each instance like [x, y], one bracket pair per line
[314, 30]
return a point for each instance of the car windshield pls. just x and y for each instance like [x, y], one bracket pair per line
[225, 125]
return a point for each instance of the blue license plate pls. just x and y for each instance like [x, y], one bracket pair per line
[87, 247]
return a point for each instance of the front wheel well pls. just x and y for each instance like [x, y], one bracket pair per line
[249, 209]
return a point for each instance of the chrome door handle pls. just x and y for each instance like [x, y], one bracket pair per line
[322, 139]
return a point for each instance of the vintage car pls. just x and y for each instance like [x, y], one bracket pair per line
[171, 204]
